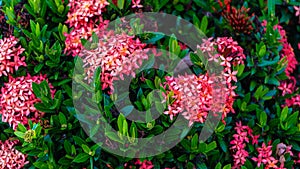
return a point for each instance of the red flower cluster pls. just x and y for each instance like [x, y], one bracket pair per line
[116, 54]
[83, 16]
[10, 59]
[17, 100]
[10, 158]
[239, 143]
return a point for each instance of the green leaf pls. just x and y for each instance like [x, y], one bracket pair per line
[284, 113]
[174, 48]
[194, 142]
[36, 89]
[78, 140]
[222, 145]
[21, 128]
[273, 81]
[120, 120]
[19, 134]
[68, 147]
[211, 146]
[62, 118]
[120, 4]
[263, 118]
[271, 8]
[85, 148]
[80, 158]
[182, 158]
[262, 51]
[38, 67]
[204, 24]
[292, 120]
[228, 166]
[190, 165]
[218, 166]
[113, 136]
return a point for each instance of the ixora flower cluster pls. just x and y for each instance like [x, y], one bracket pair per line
[242, 136]
[288, 86]
[10, 158]
[265, 156]
[83, 17]
[10, 59]
[17, 100]
[193, 95]
[116, 54]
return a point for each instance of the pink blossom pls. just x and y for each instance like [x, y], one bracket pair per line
[297, 12]
[242, 136]
[17, 100]
[85, 17]
[10, 158]
[10, 59]
[117, 54]
[286, 88]
[136, 4]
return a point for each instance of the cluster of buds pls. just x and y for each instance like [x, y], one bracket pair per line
[10, 157]
[5, 29]
[22, 14]
[237, 18]
[242, 136]
[10, 59]
[117, 55]
[17, 100]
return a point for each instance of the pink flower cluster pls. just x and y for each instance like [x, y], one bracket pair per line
[191, 96]
[17, 100]
[265, 155]
[10, 158]
[117, 55]
[287, 51]
[10, 59]
[230, 54]
[243, 133]
[83, 16]
[142, 164]
[288, 86]
[243, 136]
